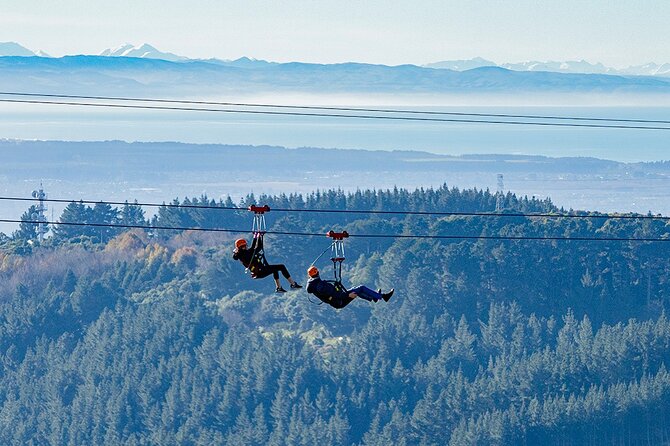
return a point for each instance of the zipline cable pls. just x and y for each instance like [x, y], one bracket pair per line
[353, 211]
[350, 109]
[315, 234]
[334, 115]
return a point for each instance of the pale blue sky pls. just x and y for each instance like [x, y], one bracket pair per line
[615, 32]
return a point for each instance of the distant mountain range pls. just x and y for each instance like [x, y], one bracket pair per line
[143, 51]
[572, 66]
[147, 51]
[143, 70]
[14, 49]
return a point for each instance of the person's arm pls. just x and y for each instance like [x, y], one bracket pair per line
[257, 244]
[254, 243]
[321, 287]
[243, 255]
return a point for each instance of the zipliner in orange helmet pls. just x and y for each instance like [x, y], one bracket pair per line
[312, 271]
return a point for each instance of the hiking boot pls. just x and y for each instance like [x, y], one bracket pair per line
[280, 290]
[295, 285]
[387, 296]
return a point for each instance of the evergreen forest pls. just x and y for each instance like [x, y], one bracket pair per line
[142, 336]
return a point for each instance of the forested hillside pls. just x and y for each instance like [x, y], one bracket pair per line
[141, 337]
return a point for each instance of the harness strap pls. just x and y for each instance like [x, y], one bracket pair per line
[337, 249]
[258, 229]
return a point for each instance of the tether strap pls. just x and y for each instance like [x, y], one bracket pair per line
[320, 255]
[337, 267]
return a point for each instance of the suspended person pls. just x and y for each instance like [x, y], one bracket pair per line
[254, 260]
[335, 295]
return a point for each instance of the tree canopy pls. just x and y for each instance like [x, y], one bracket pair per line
[158, 337]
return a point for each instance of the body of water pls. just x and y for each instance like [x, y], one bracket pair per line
[47, 122]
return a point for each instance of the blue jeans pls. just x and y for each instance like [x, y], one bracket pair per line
[366, 293]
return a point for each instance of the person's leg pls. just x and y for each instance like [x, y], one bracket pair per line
[266, 271]
[282, 269]
[262, 274]
[275, 276]
[366, 293]
[341, 303]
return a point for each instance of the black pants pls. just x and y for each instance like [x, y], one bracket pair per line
[274, 270]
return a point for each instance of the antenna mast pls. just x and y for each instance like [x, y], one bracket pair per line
[40, 215]
[500, 194]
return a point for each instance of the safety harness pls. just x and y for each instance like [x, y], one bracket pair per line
[258, 228]
[337, 257]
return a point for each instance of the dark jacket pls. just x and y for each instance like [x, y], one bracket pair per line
[253, 257]
[332, 293]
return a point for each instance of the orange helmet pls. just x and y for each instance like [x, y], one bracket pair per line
[240, 242]
[312, 271]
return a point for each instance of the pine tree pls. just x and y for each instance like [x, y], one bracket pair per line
[104, 214]
[79, 215]
[132, 214]
[27, 231]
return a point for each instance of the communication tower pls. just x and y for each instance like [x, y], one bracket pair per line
[39, 214]
[500, 194]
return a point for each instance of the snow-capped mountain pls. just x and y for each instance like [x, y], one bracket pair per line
[14, 49]
[570, 66]
[145, 51]
[145, 76]
[462, 65]
[650, 69]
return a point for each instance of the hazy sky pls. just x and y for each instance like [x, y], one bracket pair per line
[616, 32]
